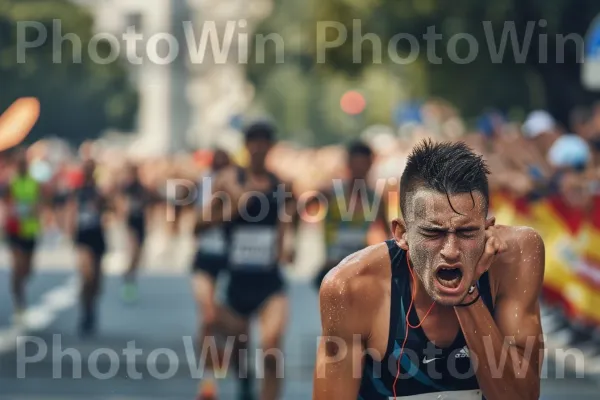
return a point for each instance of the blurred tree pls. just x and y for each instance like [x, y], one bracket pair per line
[538, 69]
[79, 97]
[546, 75]
[304, 95]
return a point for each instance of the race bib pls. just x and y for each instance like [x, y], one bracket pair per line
[254, 247]
[88, 217]
[212, 242]
[456, 395]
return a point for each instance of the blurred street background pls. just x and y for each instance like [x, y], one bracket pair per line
[163, 84]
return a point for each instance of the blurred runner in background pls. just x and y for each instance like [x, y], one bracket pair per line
[353, 208]
[256, 286]
[136, 199]
[210, 260]
[86, 210]
[23, 228]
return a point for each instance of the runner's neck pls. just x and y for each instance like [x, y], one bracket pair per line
[257, 171]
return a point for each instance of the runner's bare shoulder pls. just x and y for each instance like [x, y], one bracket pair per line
[356, 286]
[525, 246]
[518, 238]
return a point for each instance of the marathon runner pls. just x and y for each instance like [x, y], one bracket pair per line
[260, 210]
[137, 199]
[86, 209]
[211, 258]
[353, 209]
[23, 228]
[60, 197]
[450, 288]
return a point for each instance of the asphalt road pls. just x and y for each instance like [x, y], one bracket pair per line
[143, 351]
[163, 321]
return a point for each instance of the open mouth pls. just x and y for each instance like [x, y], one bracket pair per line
[449, 277]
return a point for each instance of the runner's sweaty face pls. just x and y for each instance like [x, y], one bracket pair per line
[438, 235]
[359, 166]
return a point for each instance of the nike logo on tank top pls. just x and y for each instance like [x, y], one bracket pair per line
[426, 371]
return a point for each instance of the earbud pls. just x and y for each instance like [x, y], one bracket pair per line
[471, 289]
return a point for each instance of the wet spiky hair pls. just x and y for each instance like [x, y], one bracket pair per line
[446, 167]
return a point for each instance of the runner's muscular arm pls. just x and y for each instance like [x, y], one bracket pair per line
[338, 369]
[288, 226]
[71, 215]
[514, 334]
[323, 193]
[121, 201]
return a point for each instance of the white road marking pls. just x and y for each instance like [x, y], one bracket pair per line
[41, 315]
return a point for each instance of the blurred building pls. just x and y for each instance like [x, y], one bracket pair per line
[191, 101]
[219, 91]
[163, 117]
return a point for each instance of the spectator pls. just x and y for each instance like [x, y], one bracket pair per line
[571, 152]
[541, 128]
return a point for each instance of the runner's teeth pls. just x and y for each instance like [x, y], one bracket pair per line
[449, 277]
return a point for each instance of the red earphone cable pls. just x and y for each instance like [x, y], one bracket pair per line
[408, 325]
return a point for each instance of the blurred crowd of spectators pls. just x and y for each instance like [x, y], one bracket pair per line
[528, 159]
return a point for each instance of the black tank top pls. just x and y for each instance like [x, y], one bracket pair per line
[137, 199]
[90, 206]
[443, 373]
[253, 234]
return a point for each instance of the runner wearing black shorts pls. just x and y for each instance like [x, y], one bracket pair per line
[23, 199]
[87, 206]
[210, 259]
[137, 198]
[353, 209]
[259, 213]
